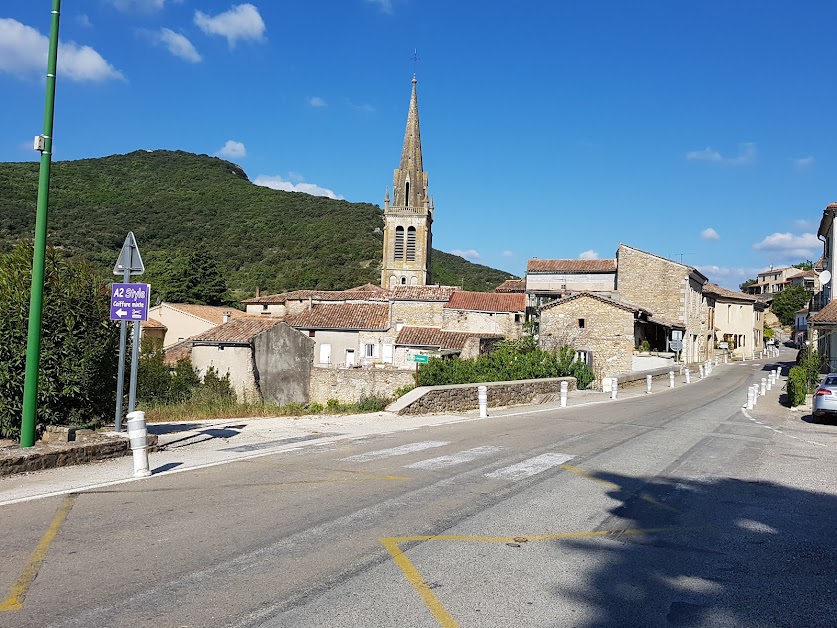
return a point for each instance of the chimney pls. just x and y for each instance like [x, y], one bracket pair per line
[226, 317]
[258, 292]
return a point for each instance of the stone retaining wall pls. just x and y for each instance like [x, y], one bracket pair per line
[463, 397]
[47, 455]
[350, 385]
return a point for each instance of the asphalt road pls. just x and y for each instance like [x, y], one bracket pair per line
[670, 509]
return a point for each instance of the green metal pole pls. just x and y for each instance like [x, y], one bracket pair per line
[33, 344]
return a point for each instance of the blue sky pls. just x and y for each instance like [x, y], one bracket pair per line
[699, 131]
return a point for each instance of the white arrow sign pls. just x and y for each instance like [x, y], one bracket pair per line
[120, 313]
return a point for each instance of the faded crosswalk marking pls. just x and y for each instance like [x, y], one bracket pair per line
[396, 451]
[530, 467]
[448, 461]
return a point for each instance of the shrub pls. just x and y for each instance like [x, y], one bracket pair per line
[645, 346]
[371, 403]
[403, 390]
[797, 386]
[314, 408]
[78, 355]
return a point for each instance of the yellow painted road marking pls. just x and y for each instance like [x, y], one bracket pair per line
[433, 604]
[19, 589]
[613, 485]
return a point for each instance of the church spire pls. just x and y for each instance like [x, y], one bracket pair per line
[411, 153]
[409, 187]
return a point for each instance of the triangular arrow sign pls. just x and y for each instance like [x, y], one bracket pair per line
[129, 258]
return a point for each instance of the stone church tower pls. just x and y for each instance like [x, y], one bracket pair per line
[407, 221]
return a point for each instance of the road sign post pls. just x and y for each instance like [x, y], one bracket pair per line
[129, 263]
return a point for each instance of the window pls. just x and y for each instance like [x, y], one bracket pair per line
[411, 244]
[264, 307]
[517, 318]
[581, 323]
[584, 356]
[403, 281]
[399, 325]
[399, 243]
[311, 333]
[370, 350]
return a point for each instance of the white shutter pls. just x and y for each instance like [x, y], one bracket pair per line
[325, 354]
[387, 354]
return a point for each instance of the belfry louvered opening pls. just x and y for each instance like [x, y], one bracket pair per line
[399, 243]
[411, 244]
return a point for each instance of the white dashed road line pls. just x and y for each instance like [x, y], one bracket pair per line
[530, 467]
[396, 451]
[448, 461]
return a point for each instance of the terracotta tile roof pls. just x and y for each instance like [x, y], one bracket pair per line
[208, 313]
[242, 329]
[487, 301]
[571, 265]
[177, 352]
[717, 291]
[605, 300]
[367, 292]
[512, 285]
[349, 316]
[826, 315]
[436, 338]
[152, 323]
[422, 293]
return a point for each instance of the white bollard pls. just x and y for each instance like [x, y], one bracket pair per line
[614, 387]
[700, 370]
[725, 358]
[770, 383]
[750, 399]
[482, 397]
[763, 390]
[648, 380]
[688, 377]
[755, 389]
[138, 435]
[564, 391]
[671, 379]
[778, 372]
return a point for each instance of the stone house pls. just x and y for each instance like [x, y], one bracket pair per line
[266, 359]
[154, 331]
[672, 291]
[736, 319]
[774, 280]
[337, 329]
[800, 327]
[512, 285]
[297, 301]
[184, 320]
[549, 279]
[604, 332]
[822, 314]
[485, 312]
[439, 343]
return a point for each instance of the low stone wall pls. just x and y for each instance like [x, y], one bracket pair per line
[350, 385]
[50, 455]
[639, 378]
[463, 397]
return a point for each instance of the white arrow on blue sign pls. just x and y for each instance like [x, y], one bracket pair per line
[129, 301]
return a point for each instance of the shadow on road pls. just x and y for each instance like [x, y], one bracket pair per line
[201, 436]
[728, 552]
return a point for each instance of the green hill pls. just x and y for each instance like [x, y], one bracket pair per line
[175, 201]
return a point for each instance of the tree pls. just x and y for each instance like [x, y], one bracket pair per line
[743, 287]
[788, 302]
[78, 359]
[806, 265]
[193, 277]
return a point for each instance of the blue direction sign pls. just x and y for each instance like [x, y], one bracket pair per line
[129, 301]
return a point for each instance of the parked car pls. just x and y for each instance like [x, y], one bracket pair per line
[825, 399]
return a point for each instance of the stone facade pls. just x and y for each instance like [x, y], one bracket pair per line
[236, 361]
[463, 397]
[671, 291]
[283, 358]
[419, 313]
[509, 324]
[350, 385]
[595, 325]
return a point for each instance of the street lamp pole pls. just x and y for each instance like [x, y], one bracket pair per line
[33, 343]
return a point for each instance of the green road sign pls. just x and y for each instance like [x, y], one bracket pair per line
[418, 358]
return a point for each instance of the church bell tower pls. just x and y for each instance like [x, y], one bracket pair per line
[408, 219]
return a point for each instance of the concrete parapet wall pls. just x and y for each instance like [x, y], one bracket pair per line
[463, 397]
[48, 456]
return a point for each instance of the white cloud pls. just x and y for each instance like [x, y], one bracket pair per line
[240, 22]
[470, 254]
[746, 155]
[802, 223]
[84, 20]
[508, 254]
[362, 108]
[232, 150]
[139, 6]
[786, 246]
[588, 254]
[709, 234]
[24, 51]
[384, 5]
[316, 101]
[804, 163]
[177, 44]
[278, 183]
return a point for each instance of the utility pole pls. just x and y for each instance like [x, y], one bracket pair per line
[43, 143]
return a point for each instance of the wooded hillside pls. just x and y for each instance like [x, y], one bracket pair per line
[175, 201]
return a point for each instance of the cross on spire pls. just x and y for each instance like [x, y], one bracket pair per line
[415, 59]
